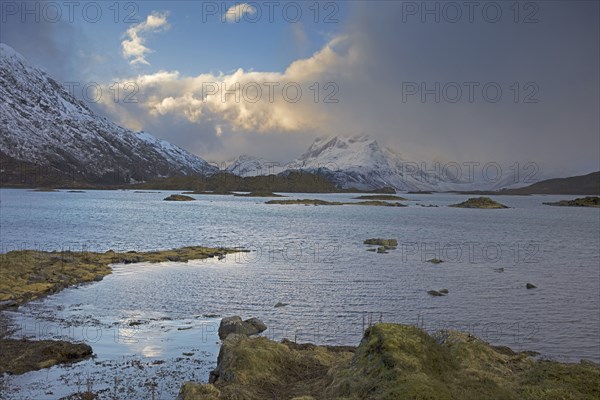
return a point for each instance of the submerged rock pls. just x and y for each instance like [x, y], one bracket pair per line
[280, 305]
[435, 261]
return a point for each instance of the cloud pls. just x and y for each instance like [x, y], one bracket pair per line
[236, 13]
[133, 47]
[246, 101]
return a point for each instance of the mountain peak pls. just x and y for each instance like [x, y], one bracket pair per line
[7, 52]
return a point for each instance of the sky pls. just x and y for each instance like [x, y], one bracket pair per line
[482, 81]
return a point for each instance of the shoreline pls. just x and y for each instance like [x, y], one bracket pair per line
[32, 274]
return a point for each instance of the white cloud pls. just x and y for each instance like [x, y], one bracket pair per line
[236, 13]
[133, 47]
[243, 101]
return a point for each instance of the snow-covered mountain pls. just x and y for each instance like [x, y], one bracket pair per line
[43, 125]
[360, 162]
[245, 165]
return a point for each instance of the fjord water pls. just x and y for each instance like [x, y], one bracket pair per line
[312, 258]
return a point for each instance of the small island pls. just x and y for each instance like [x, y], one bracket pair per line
[479, 202]
[259, 193]
[380, 197]
[590, 201]
[216, 192]
[315, 202]
[179, 197]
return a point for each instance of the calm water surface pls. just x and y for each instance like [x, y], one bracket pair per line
[155, 324]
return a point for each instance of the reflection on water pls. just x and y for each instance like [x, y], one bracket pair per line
[313, 259]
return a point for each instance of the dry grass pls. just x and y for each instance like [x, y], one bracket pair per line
[393, 362]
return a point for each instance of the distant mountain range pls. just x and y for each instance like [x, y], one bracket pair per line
[360, 162]
[48, 137]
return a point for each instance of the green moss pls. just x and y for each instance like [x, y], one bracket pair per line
[479, 202]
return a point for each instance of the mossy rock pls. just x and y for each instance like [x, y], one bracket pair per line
[178, 197]
[479, 202]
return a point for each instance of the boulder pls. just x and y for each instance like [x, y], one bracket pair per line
[530, 286]
[229, 325]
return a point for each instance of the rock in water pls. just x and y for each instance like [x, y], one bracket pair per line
[435, 293]
[530, 286]
[178, 197]
[229, 325]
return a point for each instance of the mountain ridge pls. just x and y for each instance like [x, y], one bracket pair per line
[44, 128]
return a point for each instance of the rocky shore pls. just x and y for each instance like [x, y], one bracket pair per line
[393, 361]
